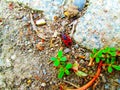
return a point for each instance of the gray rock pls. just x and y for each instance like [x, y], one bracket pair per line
[87, 55]
[1, 62]
[76, 46]
[107, 86]
[51, 8]
[44, 72]
[117, 80]
[100, 25]
[81, 61]
[24, 18]
[67, 50]
[80, 4]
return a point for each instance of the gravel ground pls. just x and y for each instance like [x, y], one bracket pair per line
[23, 66]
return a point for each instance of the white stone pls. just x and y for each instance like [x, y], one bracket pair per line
[40, 22]
[13, 57]
[8, 63]
[43, 84]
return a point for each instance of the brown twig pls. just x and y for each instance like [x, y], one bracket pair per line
[35, 28]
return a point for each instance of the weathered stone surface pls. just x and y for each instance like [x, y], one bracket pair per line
[100, 25]
[51, 8]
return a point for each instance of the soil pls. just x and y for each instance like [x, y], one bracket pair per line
[28, 67]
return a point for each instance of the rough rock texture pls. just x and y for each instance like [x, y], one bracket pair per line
[100, 25]
[51, 8]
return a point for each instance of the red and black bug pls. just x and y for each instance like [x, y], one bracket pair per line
[66, 39]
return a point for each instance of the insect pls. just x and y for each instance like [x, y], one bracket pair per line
[66, 40]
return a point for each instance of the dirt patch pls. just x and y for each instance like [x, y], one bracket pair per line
[25, 67]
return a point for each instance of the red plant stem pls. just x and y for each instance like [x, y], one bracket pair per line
[86, 86]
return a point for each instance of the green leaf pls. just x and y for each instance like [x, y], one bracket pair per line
[113, 59]
[60, 74]
[63, 64]
[108, 61]
[113, 49]
[112, 53]
[104, 51]
[68, 66]
[67, 72]
[60, 53]
[103, 59]
[94, 50]
[57, 63]
[61, 69]
[110, 69]
[99, 54]
[63, 58]
[53, 58]
[107, 49]
[116, 67]
[91, 55]
[80, 73]
[97, 60]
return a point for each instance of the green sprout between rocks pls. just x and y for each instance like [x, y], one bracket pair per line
[64, 70]
[60, 58]
[61, 62]
[108, 55]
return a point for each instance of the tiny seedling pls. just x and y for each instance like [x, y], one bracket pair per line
[108, 56]
[60, 58]
[64, 70]
[61, 62]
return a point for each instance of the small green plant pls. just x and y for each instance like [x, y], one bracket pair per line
[60, 61]
[108, 56]
[60, 58]
[64, 70]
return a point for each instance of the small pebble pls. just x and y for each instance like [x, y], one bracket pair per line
[40, 22]
[76, 46]
[8, 62]
[51, 83]
[13, 57]
[30, 50]
[55, 34]
[87, 55]
[52, 49]
[64, 23]
[80, 4]
[43, 84]
[46, 53]
[106, 86]
[35, 15]
[44, 72]
[117, 80]
[67, 50]
[82, 61]
[39, 47]
[24, 18]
